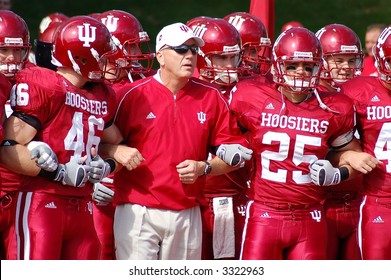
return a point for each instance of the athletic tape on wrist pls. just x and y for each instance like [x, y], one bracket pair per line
[111, 163]
[48, 174]
[344, 173]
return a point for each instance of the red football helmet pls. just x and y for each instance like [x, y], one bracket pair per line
[14, 34]
[192, 23]
[382, 54]
[85, 45]
[291, 24]
[297, 44]
[222, 45]
[338, 39]
[131, 39]
[256, 43]
[48, 20]
[43, 47]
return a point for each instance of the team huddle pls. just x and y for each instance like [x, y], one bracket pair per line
[235, 147]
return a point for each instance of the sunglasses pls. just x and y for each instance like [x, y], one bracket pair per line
[182, 49]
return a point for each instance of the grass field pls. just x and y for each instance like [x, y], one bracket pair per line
[154, 14]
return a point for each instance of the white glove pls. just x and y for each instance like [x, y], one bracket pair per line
[324, 174]
[99, 170]
[73, 173]
[102, 194]
[45, 157]
[234, 154]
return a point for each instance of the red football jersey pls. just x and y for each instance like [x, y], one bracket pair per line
[350, 186]
[372, 101]
[167, 130]
[234, 182]
[286, 137]
[72, 119]
[369, 67]
[5, 88]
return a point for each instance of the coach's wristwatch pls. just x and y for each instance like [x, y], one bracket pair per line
[208, 168]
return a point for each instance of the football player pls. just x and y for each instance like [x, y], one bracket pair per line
[343, 60]
[291, 125]
[71, 110]
[14, 49]
[371, 96]
[219, 62]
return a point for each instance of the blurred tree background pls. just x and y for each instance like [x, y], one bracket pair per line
[154, 14]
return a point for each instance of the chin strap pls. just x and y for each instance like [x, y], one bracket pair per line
[322, 105]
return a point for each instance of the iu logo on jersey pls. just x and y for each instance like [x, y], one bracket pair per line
[111, 23]
[201, 117]
[87, 34]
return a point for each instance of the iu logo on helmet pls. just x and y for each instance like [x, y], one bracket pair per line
[87, 34]
[236, 21]
[111, 23]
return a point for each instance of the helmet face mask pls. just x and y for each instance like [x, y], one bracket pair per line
[340, 68]
[222, 67]
[299, 83]
[297, 59]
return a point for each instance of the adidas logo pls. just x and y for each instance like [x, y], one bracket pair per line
[375, 99]
[151, 116]
[378, 220]
[265, 215]
[270, 106]
[50, 205]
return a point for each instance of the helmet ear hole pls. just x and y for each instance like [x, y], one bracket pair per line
[83, 61]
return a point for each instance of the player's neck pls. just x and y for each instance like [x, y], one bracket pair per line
[294, 97]
[73, 77]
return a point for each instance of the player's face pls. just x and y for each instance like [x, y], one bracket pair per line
[222, 61]
[224, 65]
[298, 69]
[298, 75]
[11, 55]
[341, 66]
[110, 68]
[11, 60]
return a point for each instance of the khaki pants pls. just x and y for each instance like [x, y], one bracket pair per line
[143, 233]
